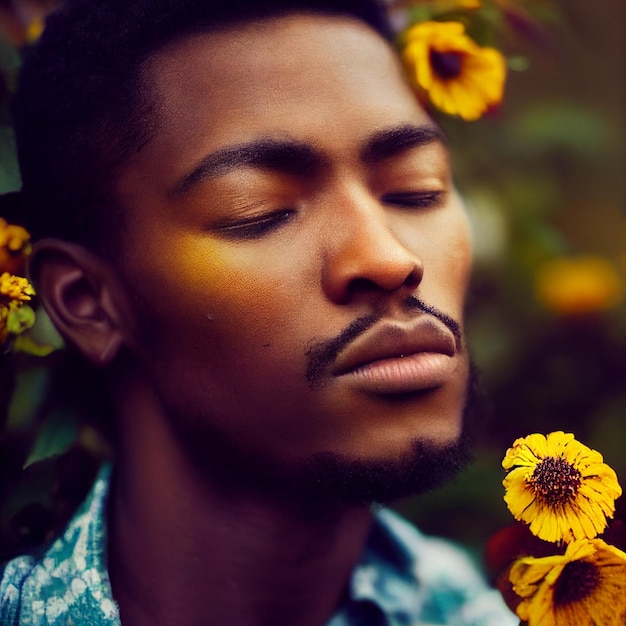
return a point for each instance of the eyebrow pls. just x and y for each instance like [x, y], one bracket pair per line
[303, 159]
[289, 156]
[392, 141]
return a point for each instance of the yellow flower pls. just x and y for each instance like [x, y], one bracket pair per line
[34, 29]
[585, 284]
[4, 323]
[15, 291]
[584, 587]
[14, 246]
[457, 75]
[559, 486]
[444, 6]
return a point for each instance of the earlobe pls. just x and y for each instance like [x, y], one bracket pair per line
[80, 294]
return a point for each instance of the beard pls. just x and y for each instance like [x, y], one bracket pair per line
[325, 480]
[328, 480]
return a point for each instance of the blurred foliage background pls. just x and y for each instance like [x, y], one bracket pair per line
[543, 179]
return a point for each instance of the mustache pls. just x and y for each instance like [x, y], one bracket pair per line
[321, 355]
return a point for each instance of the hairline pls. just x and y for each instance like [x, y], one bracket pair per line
[143, 83]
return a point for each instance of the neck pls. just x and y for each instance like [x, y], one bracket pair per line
[182, 551]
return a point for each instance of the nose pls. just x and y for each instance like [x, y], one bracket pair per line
[365, 255]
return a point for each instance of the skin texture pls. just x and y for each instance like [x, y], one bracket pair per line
[236, 270]
[231, 316]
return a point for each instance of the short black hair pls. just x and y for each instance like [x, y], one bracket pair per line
[82, 109]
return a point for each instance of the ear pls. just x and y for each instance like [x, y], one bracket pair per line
[82, 296]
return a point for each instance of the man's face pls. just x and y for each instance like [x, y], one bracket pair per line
[295, 249]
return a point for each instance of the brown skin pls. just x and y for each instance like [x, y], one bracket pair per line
[226, 282]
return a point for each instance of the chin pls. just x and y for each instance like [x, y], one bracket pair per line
[409, 464]
[336, 480]
[414, 464]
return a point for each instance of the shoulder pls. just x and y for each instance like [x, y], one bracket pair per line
[12, 577]
[433, 560]
[441, 582]
[68, 583]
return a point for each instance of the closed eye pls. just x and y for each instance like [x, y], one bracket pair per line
[256, 227]
[414, 200]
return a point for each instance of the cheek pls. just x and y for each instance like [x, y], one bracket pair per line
[443, 243]
[208, 290]
[451, 270]
[457, 254]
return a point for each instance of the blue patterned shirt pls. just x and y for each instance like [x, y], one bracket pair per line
[402, 579]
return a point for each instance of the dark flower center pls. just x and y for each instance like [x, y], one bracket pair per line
[577, 581]
[447, 65]
[555, 480]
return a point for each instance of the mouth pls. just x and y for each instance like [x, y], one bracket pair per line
[399, 357]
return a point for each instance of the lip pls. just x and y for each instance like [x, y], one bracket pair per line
[399, 357]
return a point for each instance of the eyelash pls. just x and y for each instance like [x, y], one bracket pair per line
[257, 227]
[415, 200]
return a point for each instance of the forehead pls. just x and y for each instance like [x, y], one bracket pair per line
[328, 81]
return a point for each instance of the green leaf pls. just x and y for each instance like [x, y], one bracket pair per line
[20, 320]
[43, 333]
[552, 126]
[26, 343]
[58, 433]
[9, 170]
[9, 57]
[420, 13]
[30, 388]
[518, 63]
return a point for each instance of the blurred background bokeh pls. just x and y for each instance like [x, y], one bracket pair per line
[543, 178]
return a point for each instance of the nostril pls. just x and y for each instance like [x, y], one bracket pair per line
[362, 285]
[392, 281]
[414, 277]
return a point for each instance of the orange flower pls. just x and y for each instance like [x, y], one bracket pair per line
[14, 246]
[574, 286]
[453, 71]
